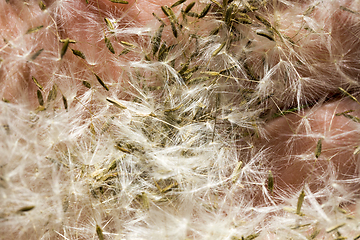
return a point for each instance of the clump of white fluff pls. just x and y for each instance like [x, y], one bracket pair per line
[170, 150]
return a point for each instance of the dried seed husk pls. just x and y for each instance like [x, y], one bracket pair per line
[109, 45]
[101, 82]
[78, 53]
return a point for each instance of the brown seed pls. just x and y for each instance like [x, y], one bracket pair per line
[26, 209]
[40, 97]
[109, 45]
[42, 5]
[189, 7]
[318, 148]
[109, 24]
[178, 3]
[64, 48]
[86, 84]
[119, 1]
[65, 102]
[37, 83]
[52, 94]
[300, 202]
[99, 232]
[270, 183]
[101, 82]
[116, 103]
[34, 29]
[78, 53]
[35, 55]
[155, 41]
[205, 11]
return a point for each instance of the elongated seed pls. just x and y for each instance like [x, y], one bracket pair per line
[52, 94]
[109, 45]
[269, 35]
[155, 41]
[192, 14]
[101, 82]
[205, 11]
[216, 52]
[109, 24]
[270, 183]
[318, 148]
[34, 29]
[119, 1]
[37, 83]
[236, 172]
[348, 94]
[263, 21]
[42, 5]
[300, 202]
[159, 19]
[228, 13]
[349, 10]
[26, 209]
[99, 232]
[65, 102]
[64, 48]
[67, 40]
[335, 227]
[40, 97]
[189, 7]
[116, 103]
[78, 53]
[35, 55]
[86, 84]
[216, 3]
[178, 3]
